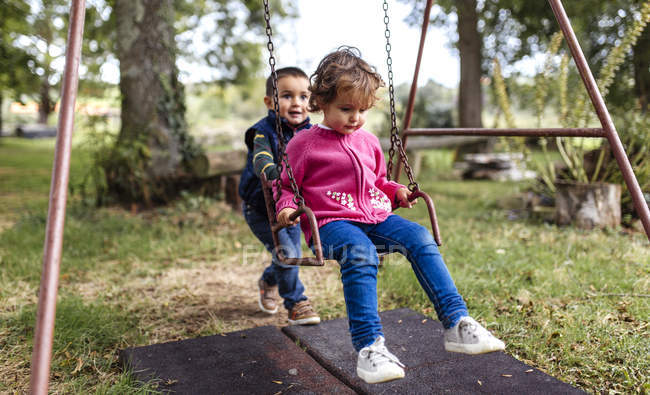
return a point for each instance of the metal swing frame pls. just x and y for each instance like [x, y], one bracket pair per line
[607, 131]
[44, 331]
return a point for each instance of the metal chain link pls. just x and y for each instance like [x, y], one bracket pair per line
[297, 197]
[395, 140]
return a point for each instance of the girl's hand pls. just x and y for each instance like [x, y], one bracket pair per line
[284, 214]
[402, 198]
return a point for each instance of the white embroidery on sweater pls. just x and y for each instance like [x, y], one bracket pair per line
[379, 200]
[344, 199]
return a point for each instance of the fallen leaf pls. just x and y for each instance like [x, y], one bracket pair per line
[80, 364]
[529, 370]
[479, 382]
[277, 381]
[523, 296]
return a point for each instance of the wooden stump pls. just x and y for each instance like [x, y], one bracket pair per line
[588, 206]
[231, 192]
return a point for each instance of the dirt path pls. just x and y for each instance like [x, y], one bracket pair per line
[211, 297]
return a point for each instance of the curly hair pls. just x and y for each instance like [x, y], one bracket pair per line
[343, 72]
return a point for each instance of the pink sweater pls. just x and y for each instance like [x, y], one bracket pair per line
[341, 177]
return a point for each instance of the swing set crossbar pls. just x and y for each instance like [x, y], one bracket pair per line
[513, 132]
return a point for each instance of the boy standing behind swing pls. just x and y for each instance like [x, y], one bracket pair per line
[278, 280]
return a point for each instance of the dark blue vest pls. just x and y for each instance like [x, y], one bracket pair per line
[250, 186]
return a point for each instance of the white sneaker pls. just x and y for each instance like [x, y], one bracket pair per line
[469, 337]
[376, 364]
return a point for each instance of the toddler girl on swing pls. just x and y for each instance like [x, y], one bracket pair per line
[341, 172]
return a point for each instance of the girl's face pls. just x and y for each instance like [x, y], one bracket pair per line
[293, 94]
[344, 115]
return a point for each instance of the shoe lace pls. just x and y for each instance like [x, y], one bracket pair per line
[380, 354]
[473, 329]
[301, 308]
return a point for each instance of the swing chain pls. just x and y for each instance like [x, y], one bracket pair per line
[395, 140]
[297, 198]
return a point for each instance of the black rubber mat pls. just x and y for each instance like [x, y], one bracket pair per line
[418, 342]
[255, 361]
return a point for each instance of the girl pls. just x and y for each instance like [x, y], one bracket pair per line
[341, 172]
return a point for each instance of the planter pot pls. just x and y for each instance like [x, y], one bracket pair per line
[588, 206]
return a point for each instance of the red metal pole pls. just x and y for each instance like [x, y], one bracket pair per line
[603, 115]
[414, 85]
[43, 336]
[534, 132]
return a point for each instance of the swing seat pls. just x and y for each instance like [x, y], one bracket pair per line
[317, 260]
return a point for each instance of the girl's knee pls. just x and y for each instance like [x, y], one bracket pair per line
[422, 237]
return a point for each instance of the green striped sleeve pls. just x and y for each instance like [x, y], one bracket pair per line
[263, 158]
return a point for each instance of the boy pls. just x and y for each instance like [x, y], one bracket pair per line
[262, 142]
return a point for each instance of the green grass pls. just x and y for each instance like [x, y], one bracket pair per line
[572, 303]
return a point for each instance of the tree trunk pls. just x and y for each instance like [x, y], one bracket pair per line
[1, 102]
[641, 60]
[45, 108]
[153, 144]
[470, 101]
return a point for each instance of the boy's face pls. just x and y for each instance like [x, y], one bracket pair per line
[293, 93]
[344, 114]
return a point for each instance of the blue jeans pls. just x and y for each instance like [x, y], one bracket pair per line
[284, 276]
[355, 245]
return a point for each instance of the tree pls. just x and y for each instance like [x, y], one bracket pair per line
[469, 42]
[641, 60]
[426, 113]
[599, 25]
[234, 36]
[154, 155]
[513, 29]
[470, 98]
[34, 40]
[153, 148]
[44, 41]
[15, 79]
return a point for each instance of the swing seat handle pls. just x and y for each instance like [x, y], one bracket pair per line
[432, 213]
[267, 189]
[318, 260]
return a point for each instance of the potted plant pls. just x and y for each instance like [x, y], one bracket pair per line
[585, 182]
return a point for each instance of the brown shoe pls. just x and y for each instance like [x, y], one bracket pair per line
[303, 314]
[269, 296]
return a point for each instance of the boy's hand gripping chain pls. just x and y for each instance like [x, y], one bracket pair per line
[396, 141]
[268, 188]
